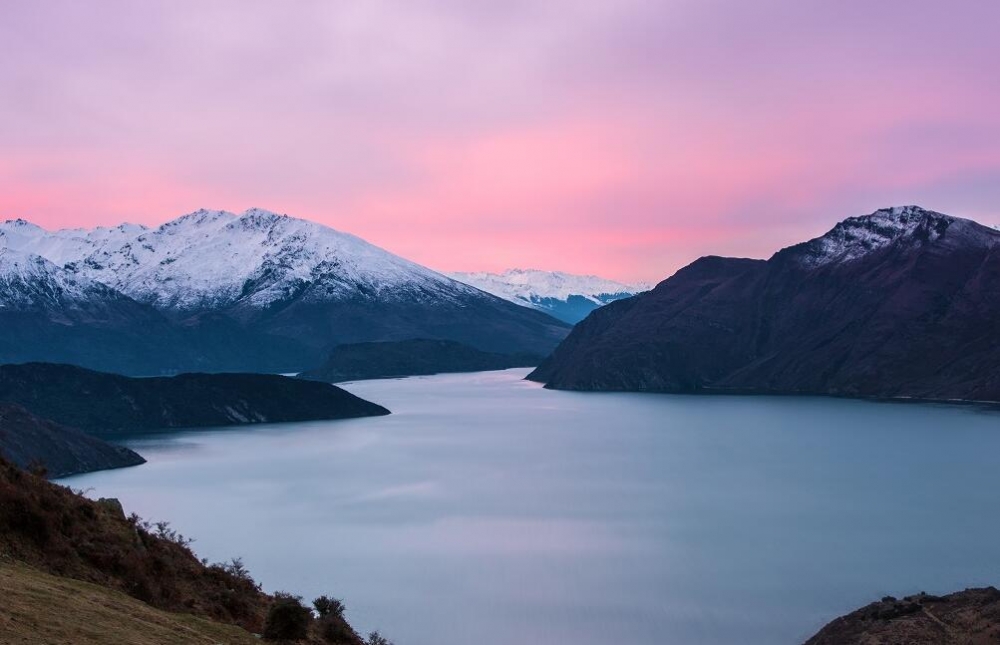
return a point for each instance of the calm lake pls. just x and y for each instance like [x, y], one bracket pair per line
[489, 511]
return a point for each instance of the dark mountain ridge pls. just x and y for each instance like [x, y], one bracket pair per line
[419, 356]
[27, 441]
[900, 303]
[111, 405]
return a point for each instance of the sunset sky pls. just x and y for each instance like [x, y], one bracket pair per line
[623, 138]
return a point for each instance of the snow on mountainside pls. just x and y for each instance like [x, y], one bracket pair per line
[563, 295]
[28, 281]
[857, 237]
[216, 291]
[213, 259]
[523, 285]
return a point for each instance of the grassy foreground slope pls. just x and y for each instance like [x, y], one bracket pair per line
[58, 549]
[42, 609]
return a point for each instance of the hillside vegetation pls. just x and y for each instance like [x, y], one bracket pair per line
[42, 609]
[49, 529]
[970, 617]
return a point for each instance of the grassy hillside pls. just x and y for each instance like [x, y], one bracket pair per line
[49, 529]
[42, 609]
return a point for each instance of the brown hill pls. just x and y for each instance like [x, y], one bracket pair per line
[57, 531]
[970, 617]
[42, 609]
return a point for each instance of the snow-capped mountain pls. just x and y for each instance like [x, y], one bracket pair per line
[856, 237]
[563, 295]
[212, 259]
[903, 302]
[50, 314]
[273, 281]
[30, 282]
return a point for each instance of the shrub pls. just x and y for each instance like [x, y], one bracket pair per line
[335, 631]
[326, 606]
[287, 619]
[164, 532]
[239, 571]
[377, 639]
[61, 532]
[38, 468]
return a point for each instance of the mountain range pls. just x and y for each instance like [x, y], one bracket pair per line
[565, 296]
[419, 356]
[217, 291]
[903, 302]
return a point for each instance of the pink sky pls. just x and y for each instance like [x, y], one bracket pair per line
[623, 138]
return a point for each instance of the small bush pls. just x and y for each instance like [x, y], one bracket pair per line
[38, 468]
[326, 606]
[287, 619]
[335, 631]
[62, 532]
[164, 532]
[377, 639]
[239, 571]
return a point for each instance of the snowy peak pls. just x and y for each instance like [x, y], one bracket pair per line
[16, 233]
[214, 290]
[518, 285]
[857, 237]
[213, 258]
[66, 245]
[202, 218]
[564, 295]
[29, 281]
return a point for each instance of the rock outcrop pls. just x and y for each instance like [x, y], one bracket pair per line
[970, 617]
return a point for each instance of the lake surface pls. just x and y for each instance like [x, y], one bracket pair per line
[489, 511]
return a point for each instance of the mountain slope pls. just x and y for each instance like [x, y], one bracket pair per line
[49, 313]
[267, 286]
[565, 296]
[46, 528]
[42, 609]
[410, 358]
[113, 405]
[50, 527]
[970, 617]
[26, 439]
[900, 303]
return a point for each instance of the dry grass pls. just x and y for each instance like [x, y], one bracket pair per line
[62, 533]
[42, 609]
[50, 530]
